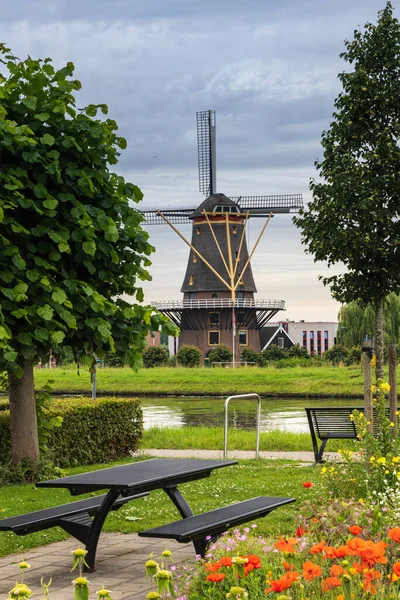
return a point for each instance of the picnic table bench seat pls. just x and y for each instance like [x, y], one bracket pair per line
[331, 422]
[214, 523]
[73, 517]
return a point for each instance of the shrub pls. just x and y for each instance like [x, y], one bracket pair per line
[189, 356]
[274, 352]
[337, 354]
[155, 356]
[220, 354]
[249, 355]
[111, 359]
[92, 431]
[298, 351]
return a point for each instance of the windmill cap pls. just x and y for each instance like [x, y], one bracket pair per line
[211, 202]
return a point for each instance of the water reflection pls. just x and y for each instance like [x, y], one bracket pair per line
[276, 413]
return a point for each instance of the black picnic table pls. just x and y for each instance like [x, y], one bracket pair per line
[132, 479]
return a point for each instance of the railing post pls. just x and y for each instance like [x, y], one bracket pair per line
[258, 421]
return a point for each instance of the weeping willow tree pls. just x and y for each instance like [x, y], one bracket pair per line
[357, 321]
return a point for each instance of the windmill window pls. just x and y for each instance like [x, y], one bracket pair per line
[241, 316]
[214, 295]
[280, 342]
[213, 338]
[234, 230]
[191, 280]
[243, 338]
[197, 230]
[194, 258]
[213, 318]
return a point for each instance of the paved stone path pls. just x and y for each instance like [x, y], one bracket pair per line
[119, 566]
[242, 454]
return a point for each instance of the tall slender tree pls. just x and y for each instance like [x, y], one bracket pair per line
[354, 215]
[71, 244]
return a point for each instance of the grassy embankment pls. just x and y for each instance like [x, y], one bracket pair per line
[296, 381]
[212, 438]
[246, 480]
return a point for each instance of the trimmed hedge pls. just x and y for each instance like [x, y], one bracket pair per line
[93, 431]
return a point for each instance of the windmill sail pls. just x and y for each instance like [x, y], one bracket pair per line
[206, 122]
[256, 206]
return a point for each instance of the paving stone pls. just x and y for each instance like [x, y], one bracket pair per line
[119, 566]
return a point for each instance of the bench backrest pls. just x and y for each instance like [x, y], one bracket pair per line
[331, 421]
[334, 421]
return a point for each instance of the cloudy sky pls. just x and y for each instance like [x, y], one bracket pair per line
[268, 67]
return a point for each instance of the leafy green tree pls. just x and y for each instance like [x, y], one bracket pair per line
[70, 242]
[353, 217]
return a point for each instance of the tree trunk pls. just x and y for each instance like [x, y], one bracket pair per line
[23, 421]
[379, 339]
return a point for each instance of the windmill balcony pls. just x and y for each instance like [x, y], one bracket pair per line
[219, 303]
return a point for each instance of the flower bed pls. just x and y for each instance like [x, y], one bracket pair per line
[242, 565]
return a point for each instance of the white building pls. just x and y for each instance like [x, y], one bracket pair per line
[316, 336]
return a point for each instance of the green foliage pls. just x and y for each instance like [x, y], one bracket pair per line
[337, 354]
[45, 419]
[220, 353]
[250, 355]
[91, 430]
[155, 356]
[357, 321]
[112, 359]
[353, 216]
[70, 242]
[381, 448]
[189, 356]
[274, 352]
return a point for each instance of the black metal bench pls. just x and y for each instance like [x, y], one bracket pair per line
[214, 523]
[74, 517]
[331, 422]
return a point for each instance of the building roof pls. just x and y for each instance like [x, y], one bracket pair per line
[211, 202]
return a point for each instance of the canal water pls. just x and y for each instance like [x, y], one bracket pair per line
[276, 413]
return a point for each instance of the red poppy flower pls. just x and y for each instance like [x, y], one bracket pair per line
[282, 584]
[300, 532]
[396, 569]
[307, 484]
[336, 571]
[215, 577]
[255, 561]
[289, 566]
[311, 570]
[330, 583]
[394, 534]
[355, 529]
[318, 548]
[286, 545]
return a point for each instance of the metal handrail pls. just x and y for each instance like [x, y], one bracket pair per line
[211, 303]
[258, 421]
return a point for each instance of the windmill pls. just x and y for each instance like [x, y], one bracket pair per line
[218, 305]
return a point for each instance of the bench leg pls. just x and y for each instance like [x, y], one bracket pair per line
[185, 511]
[318, 455]
[95, 530]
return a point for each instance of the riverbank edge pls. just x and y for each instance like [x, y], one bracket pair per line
[202, 394]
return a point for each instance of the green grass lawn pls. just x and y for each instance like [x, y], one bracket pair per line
[296, 381]
[212, 438]
[225, 486]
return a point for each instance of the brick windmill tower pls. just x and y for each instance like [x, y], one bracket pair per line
[218, 305]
